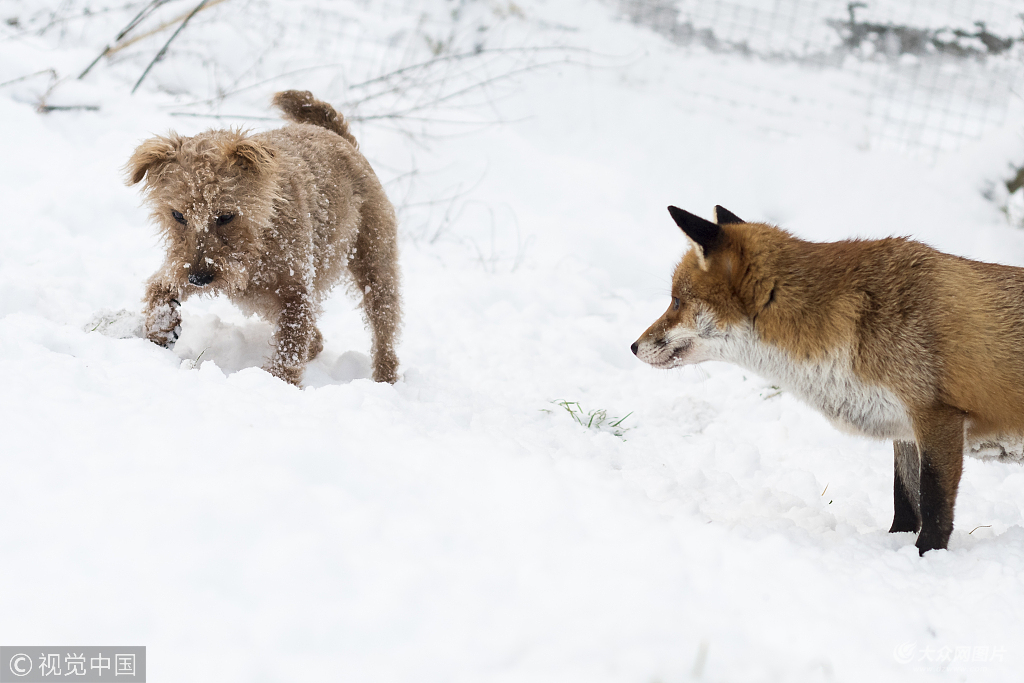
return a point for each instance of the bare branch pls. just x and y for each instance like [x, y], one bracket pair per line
[46, 108]
[171, 22]
[146, 11]
[224, 116]
[391, 74]
[464, 55]
[444, 98]
[163, 50]
[143, 13]
[53, 75]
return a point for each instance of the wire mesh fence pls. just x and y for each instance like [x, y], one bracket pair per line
[917, 75]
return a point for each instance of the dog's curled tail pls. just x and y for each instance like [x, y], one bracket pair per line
[301, 107]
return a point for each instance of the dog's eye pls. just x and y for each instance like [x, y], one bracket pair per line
[675, 303]
[225, 218]
[178, 217]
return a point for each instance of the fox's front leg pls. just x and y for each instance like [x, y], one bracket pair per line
[160, 309]
[940, 438]
[906, 487]
[296, 338]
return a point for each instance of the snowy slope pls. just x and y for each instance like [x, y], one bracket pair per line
[460, 525]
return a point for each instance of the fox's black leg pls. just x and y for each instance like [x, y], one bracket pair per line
[940, 437]
[906, 487]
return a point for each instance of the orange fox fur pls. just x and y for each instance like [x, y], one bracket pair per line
[887, 338]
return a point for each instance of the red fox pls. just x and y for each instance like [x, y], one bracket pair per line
[887, 338]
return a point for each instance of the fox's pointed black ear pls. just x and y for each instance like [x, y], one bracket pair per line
[705, 234]
[724, 216]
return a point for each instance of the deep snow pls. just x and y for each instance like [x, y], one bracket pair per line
[460, 525]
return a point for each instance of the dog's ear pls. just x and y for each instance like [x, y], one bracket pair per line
[705, 235]
[149, 156]
[724, 216]
[253, 155]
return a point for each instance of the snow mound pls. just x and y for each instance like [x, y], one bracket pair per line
[121, 324]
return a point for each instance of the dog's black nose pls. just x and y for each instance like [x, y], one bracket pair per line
[200, 279]
[633, 348]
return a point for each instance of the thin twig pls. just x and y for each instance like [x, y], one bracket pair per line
[258, 84]
[56, 19]
[146, 11]
[94, 62]
[464, 55]
[143, 13]
[421, 86]
[390, 74]
[53, 74]
[161, 27]
[426, 119]
[44, 108]
[224, 116]
[163, 50]
[458, 93]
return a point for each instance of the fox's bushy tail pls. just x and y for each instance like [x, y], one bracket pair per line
[301, 107]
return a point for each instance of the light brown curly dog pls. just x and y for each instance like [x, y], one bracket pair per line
[273, 220]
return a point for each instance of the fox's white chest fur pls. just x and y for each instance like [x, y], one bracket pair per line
[828, 384]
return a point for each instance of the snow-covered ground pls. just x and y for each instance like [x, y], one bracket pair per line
[461, 525]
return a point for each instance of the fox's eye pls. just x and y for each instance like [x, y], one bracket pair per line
[675, 303]
[178, 217]
[225, 218]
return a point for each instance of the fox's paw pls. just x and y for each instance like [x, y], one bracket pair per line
[932, 539]
[904, 525]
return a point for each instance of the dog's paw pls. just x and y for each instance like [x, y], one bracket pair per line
[385, 367]
[385, 375]
[290, 374]
[163, 324]
[167, 338]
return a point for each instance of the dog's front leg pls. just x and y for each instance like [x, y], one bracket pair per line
[160, 309]
[295, 336]
[940, 439]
